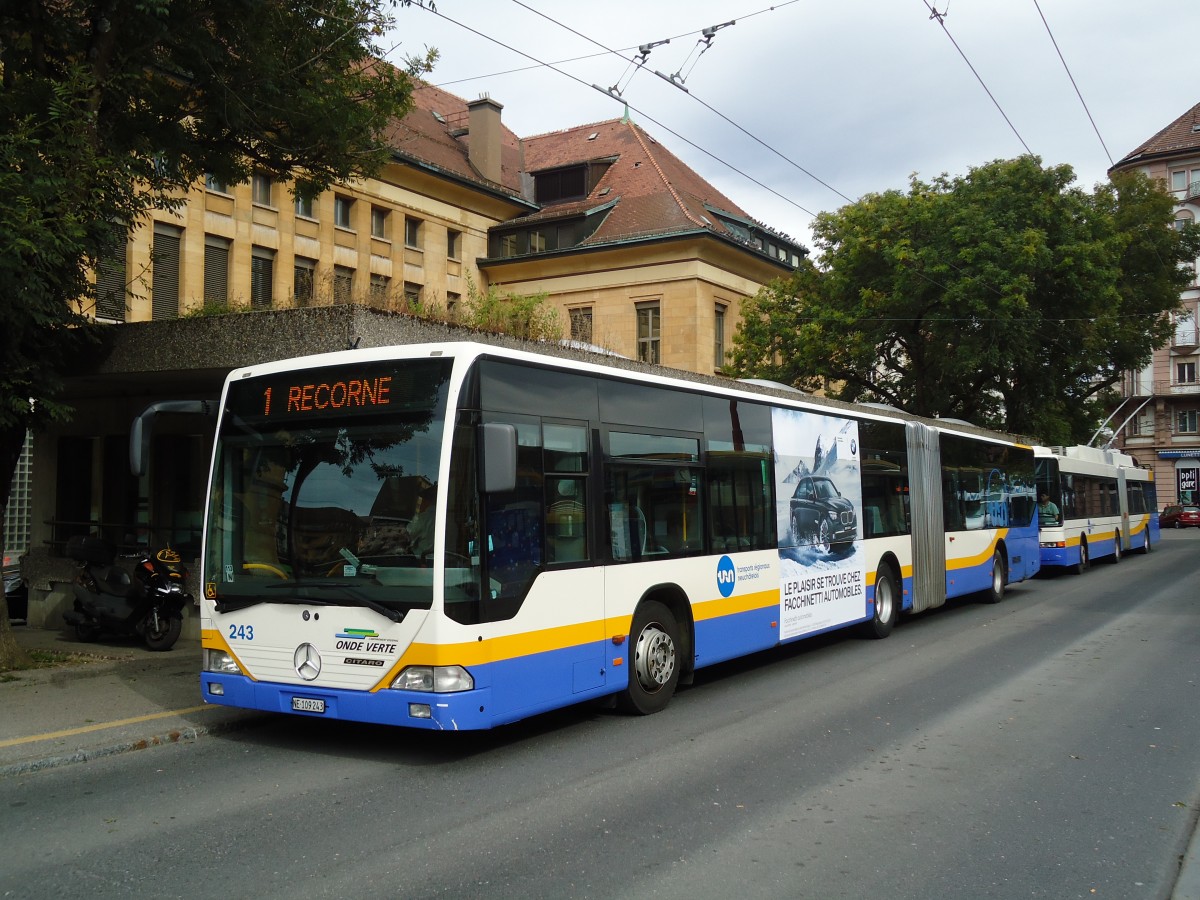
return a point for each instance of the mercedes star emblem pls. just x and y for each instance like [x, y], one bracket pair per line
[307, 661]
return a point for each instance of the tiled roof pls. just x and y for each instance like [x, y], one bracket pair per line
[646, 190]
[434, 132]
[1181, 136]
[650, 189]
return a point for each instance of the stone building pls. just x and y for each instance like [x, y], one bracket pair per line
[1159, 417]
[633, 250]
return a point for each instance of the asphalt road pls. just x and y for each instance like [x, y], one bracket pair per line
[1045, 747]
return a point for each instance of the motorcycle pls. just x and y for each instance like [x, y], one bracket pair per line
[107, 599]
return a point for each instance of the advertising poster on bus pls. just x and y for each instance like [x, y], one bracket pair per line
[818, 487]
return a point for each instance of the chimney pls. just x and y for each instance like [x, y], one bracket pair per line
[484, 151]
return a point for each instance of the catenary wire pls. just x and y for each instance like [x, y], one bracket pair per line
[628, 105]
[940, 16]
[716, 112]
[1073, 84]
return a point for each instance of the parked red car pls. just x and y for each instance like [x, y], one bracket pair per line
[1180, 517]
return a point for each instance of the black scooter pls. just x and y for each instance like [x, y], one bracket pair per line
[107, 599]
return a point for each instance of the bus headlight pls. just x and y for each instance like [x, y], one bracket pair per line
[434, 679]
[220, 661]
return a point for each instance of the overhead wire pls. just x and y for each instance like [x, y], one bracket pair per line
[1073, 84]
[711, 109]
[940, 17]
[635, 109]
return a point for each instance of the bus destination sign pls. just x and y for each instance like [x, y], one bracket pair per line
[329, 396]
[340, 391]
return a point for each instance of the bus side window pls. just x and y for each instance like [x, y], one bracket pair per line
[566, 520]
[514, 527]
[566, 451]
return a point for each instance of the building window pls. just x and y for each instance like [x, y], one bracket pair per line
[453, 239]
[342, 209]
[304, 207]
[412, 294]
[260, 187]
[509, 245]
[379, 289]
[216, 269]
[648, 333]
[581, 324]
[215, 183]
[262, 277]
[452, 301]
[412, 232]
[537, 242]
[1185, 329]
[343, 284]
[562, 184]
[303, 278]
[112, 278]
[1186, 421]
[164, 281]
[719, 338]
[379, 222]
[1185, 373]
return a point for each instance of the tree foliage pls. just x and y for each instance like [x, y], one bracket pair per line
[112, 108]
[1007, 297]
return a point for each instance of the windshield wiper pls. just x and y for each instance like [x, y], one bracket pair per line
[354, 599]
[224, 606]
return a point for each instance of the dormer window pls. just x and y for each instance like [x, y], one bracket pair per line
[558, 185]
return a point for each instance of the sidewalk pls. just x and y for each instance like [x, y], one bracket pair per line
[127, 698]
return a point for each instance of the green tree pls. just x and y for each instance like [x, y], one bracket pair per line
[112, 108]
[1006, 297]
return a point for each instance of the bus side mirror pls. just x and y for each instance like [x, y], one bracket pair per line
[498, 457]
[143, 427]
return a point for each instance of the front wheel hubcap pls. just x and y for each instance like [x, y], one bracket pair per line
[654, 659]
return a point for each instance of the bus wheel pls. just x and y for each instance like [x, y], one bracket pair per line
[995, 591]
[654, 667]
[1146, 547]
[1081, 566]
[1116, 557]
[886, 605]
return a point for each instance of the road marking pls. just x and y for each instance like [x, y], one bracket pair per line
[51, 735]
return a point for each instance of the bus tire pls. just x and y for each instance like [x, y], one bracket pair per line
[887, 605]
[1116, 557]
[1146, 546]
[654, 661]
[1082, 564]
[995, 591]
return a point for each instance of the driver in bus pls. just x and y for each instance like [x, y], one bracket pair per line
[1047, 510]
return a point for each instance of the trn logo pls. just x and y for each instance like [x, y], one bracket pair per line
[726, 576]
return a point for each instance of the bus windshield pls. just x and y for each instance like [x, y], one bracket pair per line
[324, 488]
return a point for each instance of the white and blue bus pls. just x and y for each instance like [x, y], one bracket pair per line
[459, 535]
[1103, 505]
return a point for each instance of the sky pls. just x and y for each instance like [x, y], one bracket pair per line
[801, 106]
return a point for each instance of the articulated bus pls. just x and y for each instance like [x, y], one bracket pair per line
[457, 536]
[1104, 506]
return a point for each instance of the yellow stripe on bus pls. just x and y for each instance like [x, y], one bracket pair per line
[967, 562]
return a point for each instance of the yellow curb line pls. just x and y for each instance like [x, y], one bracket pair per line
[12, 742]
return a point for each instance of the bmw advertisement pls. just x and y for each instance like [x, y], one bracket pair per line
[818, 507]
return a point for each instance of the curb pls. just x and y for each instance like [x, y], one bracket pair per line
[1187, 885]
[175, 736]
